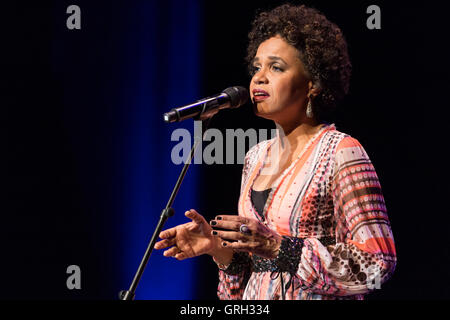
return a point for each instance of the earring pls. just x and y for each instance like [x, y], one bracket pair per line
[309, 112]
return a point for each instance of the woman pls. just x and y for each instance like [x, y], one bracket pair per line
[312, 221]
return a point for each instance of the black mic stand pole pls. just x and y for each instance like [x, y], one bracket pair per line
[165, 214]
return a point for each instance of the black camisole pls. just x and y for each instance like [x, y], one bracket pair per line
[259, 199]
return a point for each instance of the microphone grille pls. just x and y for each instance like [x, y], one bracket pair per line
[238, 96]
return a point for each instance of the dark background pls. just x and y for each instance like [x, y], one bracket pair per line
[66, 165]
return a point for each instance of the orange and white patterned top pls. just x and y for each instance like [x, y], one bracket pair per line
[331, 191]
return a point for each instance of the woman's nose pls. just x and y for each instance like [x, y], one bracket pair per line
[260, 77]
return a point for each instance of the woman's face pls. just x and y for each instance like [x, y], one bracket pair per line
[279, 85]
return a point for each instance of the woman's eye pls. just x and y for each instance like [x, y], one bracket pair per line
[255, 69]
[277, 68]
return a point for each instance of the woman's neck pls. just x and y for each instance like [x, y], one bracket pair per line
[297, 134]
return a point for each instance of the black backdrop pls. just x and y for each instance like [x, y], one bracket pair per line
[396, 108]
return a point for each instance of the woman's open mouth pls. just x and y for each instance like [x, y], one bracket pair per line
[259, 95]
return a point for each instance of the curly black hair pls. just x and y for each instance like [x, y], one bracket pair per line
[322, 48]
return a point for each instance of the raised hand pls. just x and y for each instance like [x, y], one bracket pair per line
[190, 239]
[253, 237]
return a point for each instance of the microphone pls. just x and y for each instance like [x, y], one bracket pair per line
[230, 98]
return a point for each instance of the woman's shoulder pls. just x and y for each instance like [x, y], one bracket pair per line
[348, 147]
[341, 139]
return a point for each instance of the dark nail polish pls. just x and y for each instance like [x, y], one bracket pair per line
[219, 218]
[224, 244]
[213, 223]
[214, 233]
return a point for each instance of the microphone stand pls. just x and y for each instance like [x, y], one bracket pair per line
[167, 212]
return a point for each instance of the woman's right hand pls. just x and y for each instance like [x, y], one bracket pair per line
[190, 239]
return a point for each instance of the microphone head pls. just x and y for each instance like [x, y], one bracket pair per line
[238, 96]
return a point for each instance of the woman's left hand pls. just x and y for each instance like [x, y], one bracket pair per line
[248, 234]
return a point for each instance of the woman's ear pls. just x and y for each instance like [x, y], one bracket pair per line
[313, 90]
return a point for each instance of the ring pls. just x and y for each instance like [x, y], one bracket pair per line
[244, 229]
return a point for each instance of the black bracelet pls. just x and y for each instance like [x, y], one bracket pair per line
[287, 260]
[289, 255]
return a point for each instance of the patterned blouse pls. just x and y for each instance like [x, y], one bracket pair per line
[329, 200]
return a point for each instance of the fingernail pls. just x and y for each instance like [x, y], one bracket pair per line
[224, 244]
[213, 223]
[218, 218]
[214, 233]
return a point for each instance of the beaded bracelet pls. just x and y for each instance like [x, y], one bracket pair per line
[289, 255]
[287, 259]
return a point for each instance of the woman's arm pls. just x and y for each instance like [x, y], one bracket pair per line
[364, 256]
